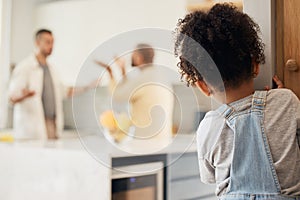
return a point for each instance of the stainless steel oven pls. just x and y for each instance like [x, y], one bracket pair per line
[136, 182]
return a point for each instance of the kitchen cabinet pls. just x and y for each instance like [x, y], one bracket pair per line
[288, 43]
[184, 179]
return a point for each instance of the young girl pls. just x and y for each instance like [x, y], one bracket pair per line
[249, 146]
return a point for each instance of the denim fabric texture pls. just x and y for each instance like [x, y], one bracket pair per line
[252, 173]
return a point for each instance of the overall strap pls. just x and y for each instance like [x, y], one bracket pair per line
[258, 103]
[252, 170]
[225, 111]
[259, 100]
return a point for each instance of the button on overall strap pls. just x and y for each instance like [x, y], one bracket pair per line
[259, 100]
[225, 111]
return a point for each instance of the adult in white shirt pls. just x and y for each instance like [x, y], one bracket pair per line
[148, 90]
[37, 93]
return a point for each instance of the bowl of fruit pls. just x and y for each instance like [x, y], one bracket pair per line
[117, 126]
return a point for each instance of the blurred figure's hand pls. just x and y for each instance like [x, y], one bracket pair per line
[25, 94]
[106, 66]
[121, 62]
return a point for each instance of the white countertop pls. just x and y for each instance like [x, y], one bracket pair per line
[49, 170]
[72, 141]
[63, 169]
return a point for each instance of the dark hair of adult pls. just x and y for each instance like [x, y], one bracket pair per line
[146, 51]
[230, 38]
[40, 32]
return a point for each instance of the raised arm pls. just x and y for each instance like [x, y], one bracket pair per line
[123, 89]
[121, 63]
[73, 91]
[107, 67]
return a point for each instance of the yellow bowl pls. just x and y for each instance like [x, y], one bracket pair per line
[6, 138]
[117, 126]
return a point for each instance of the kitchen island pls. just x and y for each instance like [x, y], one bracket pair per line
[80, 167]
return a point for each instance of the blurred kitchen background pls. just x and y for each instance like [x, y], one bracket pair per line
[79, 26]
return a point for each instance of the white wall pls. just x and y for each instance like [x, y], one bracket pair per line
[80, 26]
[22, 29]
[5, 26]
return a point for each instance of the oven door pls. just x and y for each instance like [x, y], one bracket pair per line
[135, 182]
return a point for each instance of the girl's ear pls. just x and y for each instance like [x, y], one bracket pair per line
[203, 87]
[255, 69]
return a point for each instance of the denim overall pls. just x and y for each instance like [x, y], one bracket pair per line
[252, 173]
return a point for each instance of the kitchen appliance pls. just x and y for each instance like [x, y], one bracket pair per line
[135, 182]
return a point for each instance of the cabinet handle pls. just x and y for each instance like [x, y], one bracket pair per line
[292, 65]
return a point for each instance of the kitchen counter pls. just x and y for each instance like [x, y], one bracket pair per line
[72, 167]
[71, 140]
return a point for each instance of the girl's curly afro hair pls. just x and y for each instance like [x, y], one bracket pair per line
[229, 37]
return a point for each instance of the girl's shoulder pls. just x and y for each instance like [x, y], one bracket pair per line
[209, 131]
[283, 91]
[282, 97]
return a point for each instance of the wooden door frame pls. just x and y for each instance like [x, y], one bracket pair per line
[279, 40]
